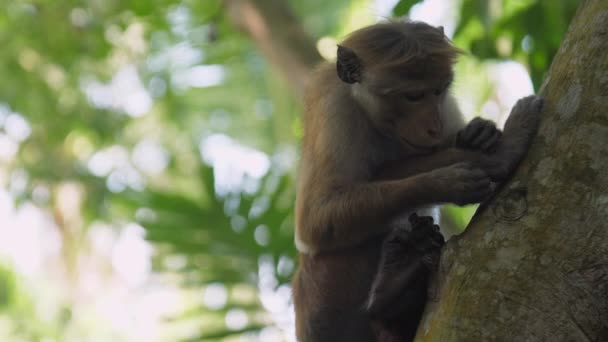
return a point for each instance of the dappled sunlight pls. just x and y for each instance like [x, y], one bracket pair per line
[236, 166]
[29, 239]
[437, 13]
[115, 164]
[512, 82]
[8, 148]
[13, 130]
[276, 299]
[124, 93]
[131, 255]
[200, 76]
[150, 156]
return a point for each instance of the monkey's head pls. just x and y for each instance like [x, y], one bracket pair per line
[399, 72]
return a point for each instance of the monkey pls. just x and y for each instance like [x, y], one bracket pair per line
[383, 138]
[397, 298]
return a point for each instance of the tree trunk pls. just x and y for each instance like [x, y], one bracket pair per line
[533, 263]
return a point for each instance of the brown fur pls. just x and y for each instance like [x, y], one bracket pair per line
[370, 154]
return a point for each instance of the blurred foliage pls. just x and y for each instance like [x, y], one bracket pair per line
[528, 31]
[403, 7]
[191, 76]
[20, 307]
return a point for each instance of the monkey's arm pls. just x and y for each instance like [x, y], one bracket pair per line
[398, 169]
[347, 215]
[519, 130]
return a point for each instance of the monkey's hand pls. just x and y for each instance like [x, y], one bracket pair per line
[520, 129]
[459, 183]
[479, 134]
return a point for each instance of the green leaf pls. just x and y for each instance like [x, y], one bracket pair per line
[403, 7]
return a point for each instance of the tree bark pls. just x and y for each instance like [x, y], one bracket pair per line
[533, 263]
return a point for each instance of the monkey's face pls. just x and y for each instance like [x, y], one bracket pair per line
[411, 111]
[399, 73]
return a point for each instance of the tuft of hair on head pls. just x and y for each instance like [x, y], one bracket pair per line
[403, 44]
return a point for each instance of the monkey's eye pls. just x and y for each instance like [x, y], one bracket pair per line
[414, 97]
[439, 91]
[444, 88]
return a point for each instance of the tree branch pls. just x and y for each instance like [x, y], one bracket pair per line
[276, 30]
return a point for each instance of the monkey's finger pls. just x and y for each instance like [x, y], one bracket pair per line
[485, 134]
[538, 104]
[483, 185]
[471, 198]
[479, 195]
[413, 217]
[426, 220]
[498, 172]
[472, 130]
[475, 174]
[462, 165]
[438, 242]
[423, 223]
[490, 144]
[484, 189]
[479, 183]
[488, 194]
[437, 236]
[465, 135]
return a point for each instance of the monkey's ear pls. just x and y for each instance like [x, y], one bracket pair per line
[440, 28]
[348, 65]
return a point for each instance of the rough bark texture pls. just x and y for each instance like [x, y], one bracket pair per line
[278, 34]
[533, 263]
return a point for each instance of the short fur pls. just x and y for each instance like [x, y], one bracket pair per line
[375, 149]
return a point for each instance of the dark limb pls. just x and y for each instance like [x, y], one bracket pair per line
[399, 291]
[520, 129]
[351, 214]
[494, 167]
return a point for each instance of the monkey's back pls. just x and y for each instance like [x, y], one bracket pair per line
[330, 288]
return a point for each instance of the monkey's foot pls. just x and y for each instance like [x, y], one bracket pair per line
[520, 129]
[424, 241]
[525, 116]
[425, 235]
[398, 295]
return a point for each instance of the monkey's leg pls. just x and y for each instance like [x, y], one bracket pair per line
[399, 291]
